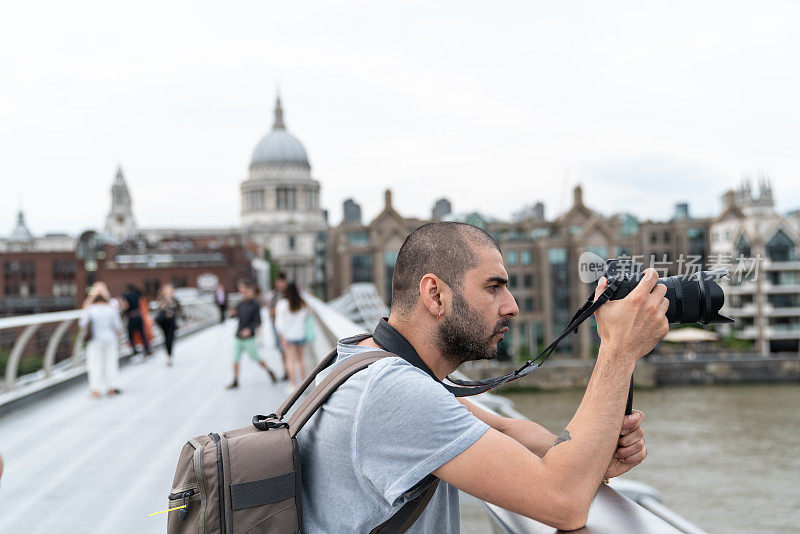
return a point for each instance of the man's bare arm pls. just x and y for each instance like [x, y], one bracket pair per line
[558, 488]
[532, 436]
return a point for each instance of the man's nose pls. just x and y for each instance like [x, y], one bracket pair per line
[509, 307]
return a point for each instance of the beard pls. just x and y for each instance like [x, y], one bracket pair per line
[463, 335]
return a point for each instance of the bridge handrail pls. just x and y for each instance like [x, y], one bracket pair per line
[199, 308]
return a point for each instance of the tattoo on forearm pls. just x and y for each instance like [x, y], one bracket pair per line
[564, 436]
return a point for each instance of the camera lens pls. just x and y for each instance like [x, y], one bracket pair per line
[692, 299]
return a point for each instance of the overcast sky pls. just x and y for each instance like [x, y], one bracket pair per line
[492, 105]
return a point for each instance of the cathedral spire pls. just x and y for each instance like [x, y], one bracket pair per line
[120, 223]
[278, 124]
[119, 178]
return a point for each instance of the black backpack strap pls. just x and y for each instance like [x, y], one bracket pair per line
[410, 511]
[325, 389]
[326, 362]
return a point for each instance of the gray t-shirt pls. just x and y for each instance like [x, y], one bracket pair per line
[384, 430]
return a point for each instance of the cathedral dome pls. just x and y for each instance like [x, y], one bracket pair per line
[20, 233]
[279, 146]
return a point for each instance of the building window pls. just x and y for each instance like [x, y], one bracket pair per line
[630, 225]
[781, 248]
[527, 280]
[512, 257]
[743, 247]
[667, 236]
[312, 199]
[542, 231]
[254, 200]
[525, 257]
[358, 238]
[557, 255]
[528, 304]
[653, 236]
[287, 198]
[361, 267]
[292, 242]
[512, 281]
[64, 289]
[390, 258]
[63, 270]
[783, 278]
[599, 250]
[696, 233]
[784, 301]
[389, 261]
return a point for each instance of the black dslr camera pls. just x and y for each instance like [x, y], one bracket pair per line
[695, 298]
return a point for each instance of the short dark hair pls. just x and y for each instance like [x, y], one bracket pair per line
[446, 249]
[246, 282]
[280, 276]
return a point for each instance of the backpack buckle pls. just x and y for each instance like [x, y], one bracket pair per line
[263, 422]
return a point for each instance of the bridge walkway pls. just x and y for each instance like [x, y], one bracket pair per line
[73, 464]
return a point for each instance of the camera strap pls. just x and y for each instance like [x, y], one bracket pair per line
[390, 340]
[475, 387]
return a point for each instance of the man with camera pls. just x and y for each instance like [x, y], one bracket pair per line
[371, 446]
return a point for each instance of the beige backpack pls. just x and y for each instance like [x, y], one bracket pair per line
[249, 480]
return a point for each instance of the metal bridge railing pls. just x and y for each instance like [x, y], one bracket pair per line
[18, 332]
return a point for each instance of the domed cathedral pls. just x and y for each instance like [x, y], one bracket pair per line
[280, 202]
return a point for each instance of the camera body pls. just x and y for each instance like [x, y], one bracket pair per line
[693, 298]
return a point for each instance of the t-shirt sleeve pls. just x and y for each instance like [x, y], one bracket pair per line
[257, 315]
[407, 426]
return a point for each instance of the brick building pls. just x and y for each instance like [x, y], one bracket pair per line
[197, 261]
[39, 274]
[39, 281]
[541, 257]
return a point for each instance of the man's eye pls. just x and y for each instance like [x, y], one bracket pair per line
[494, 288]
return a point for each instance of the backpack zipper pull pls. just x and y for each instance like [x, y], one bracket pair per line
[185, 510]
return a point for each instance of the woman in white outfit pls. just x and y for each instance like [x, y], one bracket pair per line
[102, 351]
[290, 322]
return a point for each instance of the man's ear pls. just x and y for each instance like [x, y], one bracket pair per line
[434, 294]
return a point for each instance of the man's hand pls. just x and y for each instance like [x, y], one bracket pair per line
[631, 450]
[245, 332]
[635, 324]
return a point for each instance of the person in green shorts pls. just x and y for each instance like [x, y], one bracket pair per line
[248, 311]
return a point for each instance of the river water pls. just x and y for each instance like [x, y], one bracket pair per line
[725, 457]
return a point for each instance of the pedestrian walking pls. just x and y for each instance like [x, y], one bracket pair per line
[103, 327]
[278, 289]
[291, 314]
[169, 309]
[131, 305]
[248, 313]
[221, 298]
